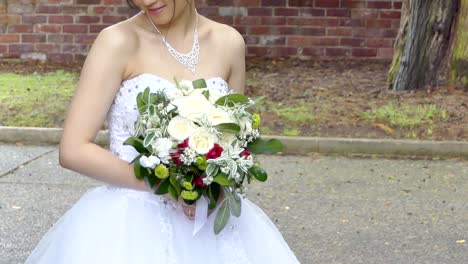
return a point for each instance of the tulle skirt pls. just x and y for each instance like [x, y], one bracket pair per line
[111, 225]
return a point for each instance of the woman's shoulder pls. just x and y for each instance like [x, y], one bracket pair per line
[224, 34]
[120, 36]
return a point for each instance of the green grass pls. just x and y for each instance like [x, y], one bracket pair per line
[37, 100]
[292, 132]
[300, 113]
[407, 116]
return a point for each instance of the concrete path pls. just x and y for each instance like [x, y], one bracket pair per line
[329, 209]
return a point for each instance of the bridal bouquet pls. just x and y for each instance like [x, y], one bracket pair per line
[196, 142]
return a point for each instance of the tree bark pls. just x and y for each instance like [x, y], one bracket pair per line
[423, 46]
[459, 63]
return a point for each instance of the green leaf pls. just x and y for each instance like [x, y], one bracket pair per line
[137, 158]
[234, 202]
[206, 94]
[200, 83]
[235, 207]
[173, 192]
[163, 188]
[145, 96]
[259, 173]
[234, 98]
[223, 180]
[149, 139]
[175, 183]
[137, 144]
[140, 103]
[153, 99]
[212, 169]
[152, 109]
[228, 128]
[137, 170]
[222, 217]
[213, 193]
[260, 146]
[209, 194]
[151, 180]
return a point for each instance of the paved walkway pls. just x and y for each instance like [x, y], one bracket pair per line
[330, 209]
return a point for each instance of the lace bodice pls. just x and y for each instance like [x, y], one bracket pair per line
[123, 112]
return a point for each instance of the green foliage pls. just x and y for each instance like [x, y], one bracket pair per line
[292, 132]
[406, 116]
[37, 100]
[300, 113]
[260, 146]
[258, 172]
[223, 180]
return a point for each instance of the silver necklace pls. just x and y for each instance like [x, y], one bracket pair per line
[188, 60]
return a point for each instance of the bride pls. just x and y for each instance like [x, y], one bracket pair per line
[123, 221]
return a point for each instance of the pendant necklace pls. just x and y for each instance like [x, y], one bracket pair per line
[188, 60]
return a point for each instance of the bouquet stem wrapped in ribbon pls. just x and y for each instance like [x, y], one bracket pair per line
[197, 143]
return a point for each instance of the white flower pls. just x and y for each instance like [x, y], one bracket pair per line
[207, 180]
[169, 107]
[180, 128]
[172, 94]
[149, 162]
[200, 90]
[226, 139]
[186, 86]
[193, 106]
[215, 94]
[162, 146]
[218, 116]
[188, 157]
[246, 125]
[201, 141]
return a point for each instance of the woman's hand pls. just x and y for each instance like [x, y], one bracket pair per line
[189, 210]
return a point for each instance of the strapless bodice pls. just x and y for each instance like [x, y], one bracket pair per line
[123, 112]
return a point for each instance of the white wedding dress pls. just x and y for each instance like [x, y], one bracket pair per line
[111, 225]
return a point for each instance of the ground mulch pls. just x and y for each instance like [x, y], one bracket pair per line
[336, 93]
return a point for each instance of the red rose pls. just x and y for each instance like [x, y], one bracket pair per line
[176, 157]
[245, 153]
[184, 144]
[198, 181]
[214, 152]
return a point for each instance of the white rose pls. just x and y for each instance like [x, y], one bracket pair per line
[199, 90]
[226, 139]
[180, 128]
[186, 86]
[149, 162]
[201, 141]
[192, 107]
[169, 107]
[172, 94]
[218, 116]
[215, 94]
[162, 146]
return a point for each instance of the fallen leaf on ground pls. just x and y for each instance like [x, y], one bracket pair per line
[384, 128]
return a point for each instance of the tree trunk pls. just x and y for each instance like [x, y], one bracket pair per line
[423, 46]
[459, 63]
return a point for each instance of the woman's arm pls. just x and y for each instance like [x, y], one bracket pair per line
[100, 80]
[237, 62]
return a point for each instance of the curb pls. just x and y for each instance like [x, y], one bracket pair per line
[292, 145]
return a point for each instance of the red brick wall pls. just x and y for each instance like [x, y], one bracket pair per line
[62, 30]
